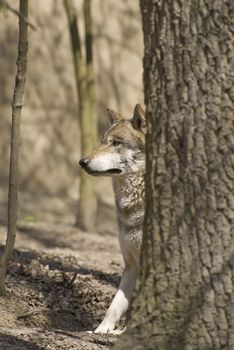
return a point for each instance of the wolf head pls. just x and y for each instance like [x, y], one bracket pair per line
[122, 148]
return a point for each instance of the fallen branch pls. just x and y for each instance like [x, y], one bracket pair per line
[33, 313]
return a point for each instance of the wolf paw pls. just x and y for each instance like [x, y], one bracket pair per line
[108, 328]
[105, 327]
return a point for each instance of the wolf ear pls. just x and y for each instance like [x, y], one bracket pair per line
[114, 116]
[138, 120]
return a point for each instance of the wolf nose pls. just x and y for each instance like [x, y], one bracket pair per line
[84, 162]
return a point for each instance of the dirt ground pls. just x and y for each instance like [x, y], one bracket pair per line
[59, 284]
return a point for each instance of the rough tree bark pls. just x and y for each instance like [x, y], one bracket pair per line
[185, 295]
[87, 208]
[15, 140]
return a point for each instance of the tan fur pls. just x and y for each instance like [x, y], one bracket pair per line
[122, 155]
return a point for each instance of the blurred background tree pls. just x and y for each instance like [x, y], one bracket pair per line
[85, 84]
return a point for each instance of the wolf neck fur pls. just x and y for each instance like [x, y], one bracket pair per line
[129, 190]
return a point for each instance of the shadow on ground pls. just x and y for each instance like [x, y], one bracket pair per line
[56, 293]
[60, 283]
[10, 342]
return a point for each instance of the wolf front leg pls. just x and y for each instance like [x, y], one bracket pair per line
[120, 302]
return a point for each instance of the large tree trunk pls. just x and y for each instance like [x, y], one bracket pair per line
[185, 295]
[15, 140]
[84, 75]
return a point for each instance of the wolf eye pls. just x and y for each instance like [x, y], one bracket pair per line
[116, 143]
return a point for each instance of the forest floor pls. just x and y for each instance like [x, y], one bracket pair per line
[59, 285]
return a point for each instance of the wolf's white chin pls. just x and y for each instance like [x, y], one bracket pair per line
[105, 163]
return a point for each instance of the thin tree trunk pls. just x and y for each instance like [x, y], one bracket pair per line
[86, 214]
[90, 69]
[15, 141]
[185, 295]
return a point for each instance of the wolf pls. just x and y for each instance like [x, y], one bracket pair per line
[121, 155]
